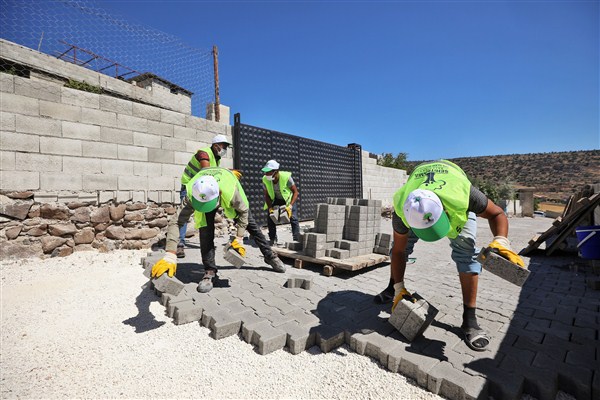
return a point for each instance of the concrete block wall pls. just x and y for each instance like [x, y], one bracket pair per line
[85, 153]
[55, 69]
[380, 183]
[60, 140]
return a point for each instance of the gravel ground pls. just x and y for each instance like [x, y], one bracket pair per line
[72, 327]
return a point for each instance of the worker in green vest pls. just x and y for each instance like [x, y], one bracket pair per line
[437, 201]
[280, 189]
[206, 191]
[205, 157]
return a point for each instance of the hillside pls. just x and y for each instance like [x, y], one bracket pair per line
[554, 175]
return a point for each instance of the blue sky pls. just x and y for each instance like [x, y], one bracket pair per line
[434, 79]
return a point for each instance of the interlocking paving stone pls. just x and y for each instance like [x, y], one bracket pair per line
[186, 313]
[544, 335]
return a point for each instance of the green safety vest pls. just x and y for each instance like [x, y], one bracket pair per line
[193, 166]
[448, 182]
[286, 193]
[227, 185]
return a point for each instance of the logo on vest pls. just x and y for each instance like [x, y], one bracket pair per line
[430, 180]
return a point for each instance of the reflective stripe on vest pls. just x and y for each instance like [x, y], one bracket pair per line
[227, 186]
[449, 182]
[286, 193]
[193, 167]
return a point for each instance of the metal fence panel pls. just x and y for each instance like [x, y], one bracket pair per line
[319, 169]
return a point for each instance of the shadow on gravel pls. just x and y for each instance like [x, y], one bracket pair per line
[144, 321]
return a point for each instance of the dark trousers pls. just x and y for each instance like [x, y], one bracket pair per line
[207, 240]
[293, 221]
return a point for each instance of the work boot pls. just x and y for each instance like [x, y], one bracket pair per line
[275, 263]
[206, 284]
[180, 252]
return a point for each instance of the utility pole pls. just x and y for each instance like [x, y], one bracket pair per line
[215, 52]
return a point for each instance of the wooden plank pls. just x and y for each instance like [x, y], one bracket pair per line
[348, 264]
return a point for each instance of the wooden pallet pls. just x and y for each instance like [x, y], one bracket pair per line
[331, 265]
[564, 225]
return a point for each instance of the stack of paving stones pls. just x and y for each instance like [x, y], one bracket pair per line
[544, 335]
[345, 228]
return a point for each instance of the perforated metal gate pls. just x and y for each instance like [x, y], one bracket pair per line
[319, 169]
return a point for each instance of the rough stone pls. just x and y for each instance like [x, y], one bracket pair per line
[20, 195]
[141, 234]
[101, 215]
[134, 217]
[34, 212]
[49, 243]
[62, 229]
[19, 250]
[12, 232]
[135, 206]
[117, 212]
[84, 236]
[15, 208]
[158, 223]
[81, 214]
[54, 211]
[39, 230]
[114, 232]
[62, 251]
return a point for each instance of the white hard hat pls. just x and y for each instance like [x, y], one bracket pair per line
[221, 139]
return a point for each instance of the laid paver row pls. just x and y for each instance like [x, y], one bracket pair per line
[531, 352]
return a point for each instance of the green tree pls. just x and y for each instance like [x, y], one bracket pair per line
[398, 161]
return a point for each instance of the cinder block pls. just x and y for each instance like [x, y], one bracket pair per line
[340, 254]
[412, 319]
[168, 285]
[296, 246]
[233, 257]
[501, 267]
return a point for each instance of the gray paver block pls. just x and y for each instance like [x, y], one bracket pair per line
[223, 325]
[418, 320]
[186, 312]
[233, 257]
[501, 267]
[174, 302]
[416, 366]
[249, 327]
[299, 338]
[329, 337]
[411, 319]
[168, 285]
[269, 339]
[447, 381]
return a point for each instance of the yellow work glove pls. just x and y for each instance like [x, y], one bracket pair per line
[270, 210]
[400, 293]
[501, 246]
[167, 264]
[237, 174]
[237, 245]
[288, 209]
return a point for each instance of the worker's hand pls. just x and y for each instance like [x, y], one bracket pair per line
[288, 209]
[237, 245]
[167, 264]
[501, 246]
[270, 210]
[400, 293]
[237, 174]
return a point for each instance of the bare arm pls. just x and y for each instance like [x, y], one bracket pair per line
[496, 218]
[398, 262]
[295, 193]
